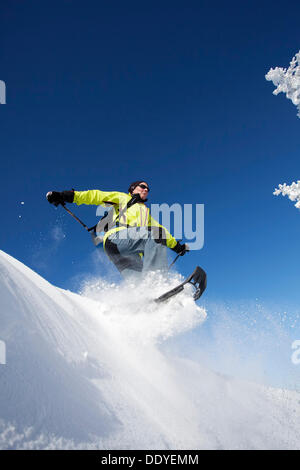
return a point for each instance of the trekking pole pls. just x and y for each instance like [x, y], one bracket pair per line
[76, 218]
[96, 240]
[177, 256]
[174, 261]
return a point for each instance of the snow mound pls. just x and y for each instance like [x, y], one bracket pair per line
[88, 372]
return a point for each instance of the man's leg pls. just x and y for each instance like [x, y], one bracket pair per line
[155, 256]
[124, 248]
[128, 263]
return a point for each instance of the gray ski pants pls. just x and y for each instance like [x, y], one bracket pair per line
[123, 249]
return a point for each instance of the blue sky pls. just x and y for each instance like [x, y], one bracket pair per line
[102, 93]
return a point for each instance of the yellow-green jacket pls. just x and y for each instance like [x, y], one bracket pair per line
[138, 215]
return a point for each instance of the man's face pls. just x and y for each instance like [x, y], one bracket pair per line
[142, 191]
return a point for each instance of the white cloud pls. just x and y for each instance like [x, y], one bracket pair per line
[287, 80]
[292, 191]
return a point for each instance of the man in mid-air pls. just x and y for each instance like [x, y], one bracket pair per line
[134, 241]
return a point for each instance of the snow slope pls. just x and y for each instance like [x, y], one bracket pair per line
[88, 371]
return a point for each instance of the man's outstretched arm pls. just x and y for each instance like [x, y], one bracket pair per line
[90, 197]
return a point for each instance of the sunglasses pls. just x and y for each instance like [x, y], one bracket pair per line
[144, 187]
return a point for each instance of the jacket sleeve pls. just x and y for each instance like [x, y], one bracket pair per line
[161, 234]
[97, 197]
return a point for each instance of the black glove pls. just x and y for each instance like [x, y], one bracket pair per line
[181, 249]
[56, 197]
